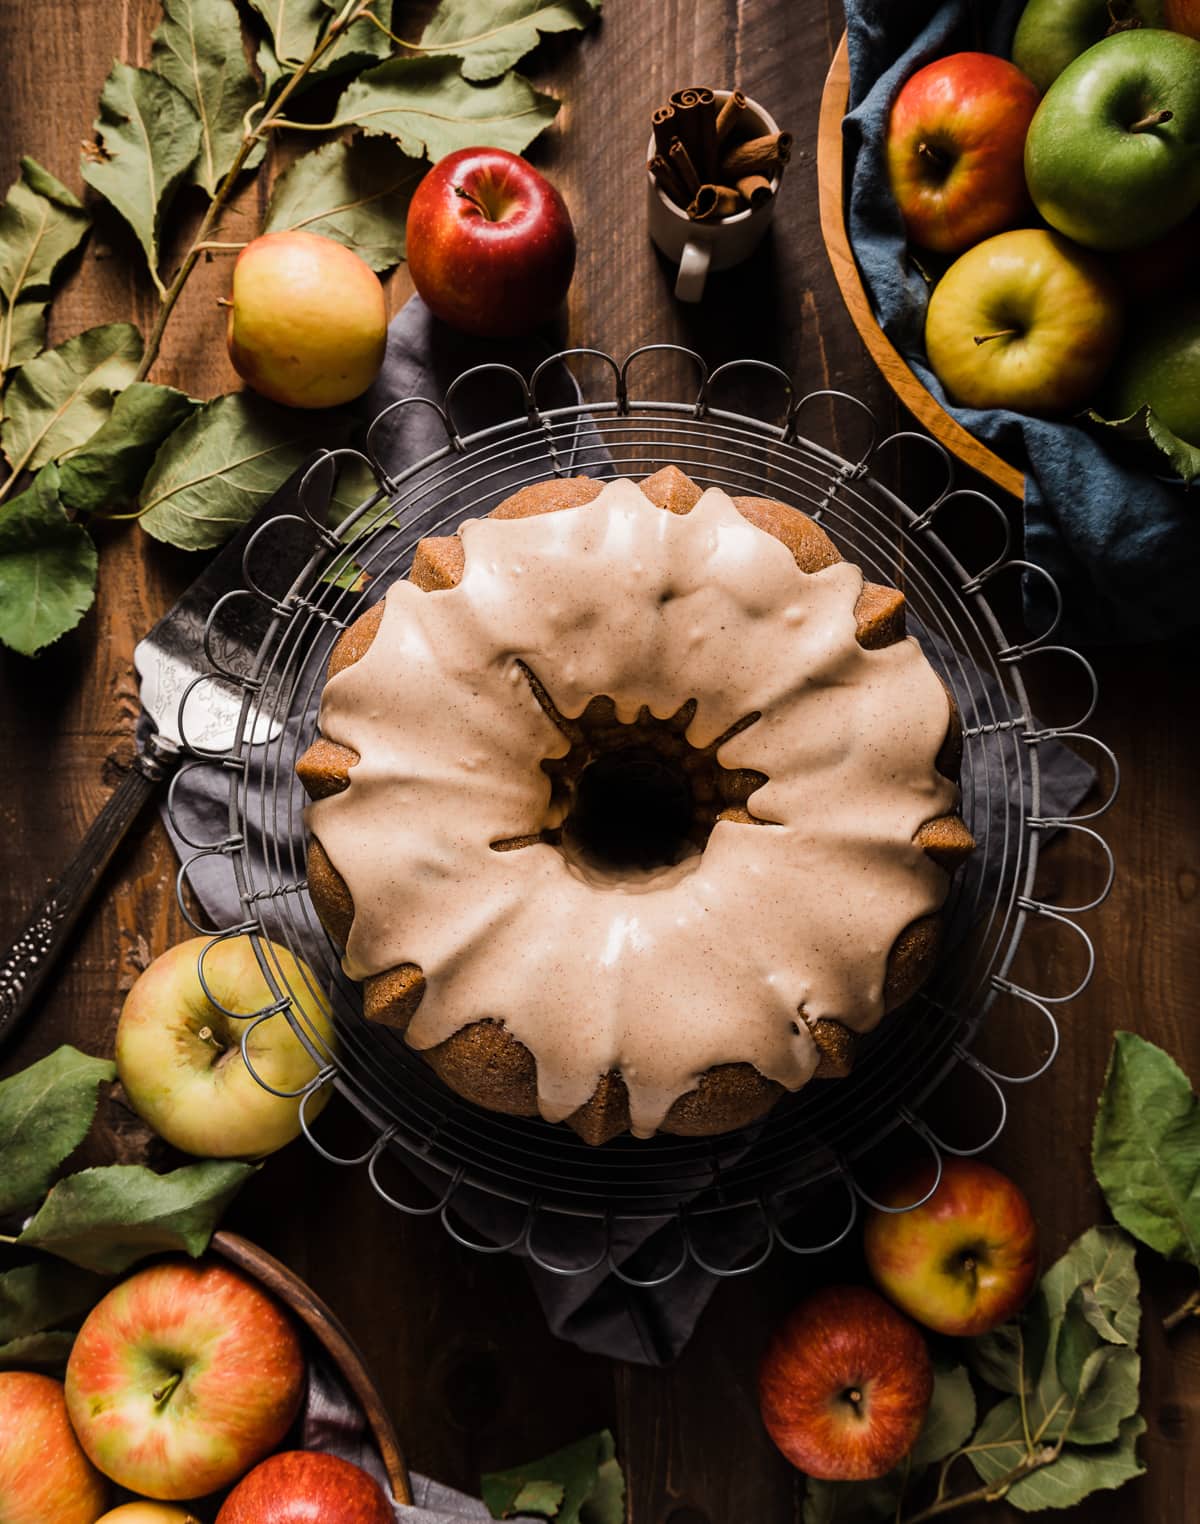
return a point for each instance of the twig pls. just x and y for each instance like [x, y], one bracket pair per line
[1188, 1309]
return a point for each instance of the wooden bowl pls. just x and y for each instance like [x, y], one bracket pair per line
[327, 1329]
[910, 389]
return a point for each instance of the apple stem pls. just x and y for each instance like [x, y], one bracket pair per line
[1121, 23]
[163, 1394]
[206, 1034]
[1154, 119]
[1001, 333]
[936, 157]
[461, 190]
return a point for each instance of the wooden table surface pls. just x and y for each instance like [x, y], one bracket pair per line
[457, 1340]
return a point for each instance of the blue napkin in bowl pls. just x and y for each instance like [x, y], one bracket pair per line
[1122, 545]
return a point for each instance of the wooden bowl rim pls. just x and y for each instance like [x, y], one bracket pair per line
[328, 1329]
[896, 371]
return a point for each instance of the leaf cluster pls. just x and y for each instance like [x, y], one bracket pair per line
[579, 1484]
[83, 431]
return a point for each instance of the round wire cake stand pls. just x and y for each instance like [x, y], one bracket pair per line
[536, 1175]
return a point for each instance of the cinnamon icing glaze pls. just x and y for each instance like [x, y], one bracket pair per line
[717, 959]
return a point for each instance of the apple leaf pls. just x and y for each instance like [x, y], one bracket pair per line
[1147, 429]
[580, 1484]
[47, 572]
[38, 1352]
[44, 1294]
[148, 138]
[45, 1113]
[356, 192]
[41, 222]
[107, 1219]
[427, 106]
[58, 400]
[108, 469]
[294, 26]
[1146, 1148]
[219, 466]
[363, 44]
[1079, 1471]
[1103, 1258]
[198, 48]
[490, 36]
[950, 1418]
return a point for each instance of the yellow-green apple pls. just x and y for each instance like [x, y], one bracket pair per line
[1025, 321]
[1159, 368]
[1051, 33]
[1113, 154]
[180, 1057]
[1183, 16]
[491, 249]
[307, 320]
[964, 1261]
[307, 1487]
[149, 1513]
[183, 1377]
[955, 146]
[45, 1478]
[845, 1384]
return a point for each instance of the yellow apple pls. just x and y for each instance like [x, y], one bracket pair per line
[149, 1513]
[180, 1060]
[307, 320]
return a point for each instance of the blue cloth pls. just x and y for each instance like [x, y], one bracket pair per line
[1123, 546]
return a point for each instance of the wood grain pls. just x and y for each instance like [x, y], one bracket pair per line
[457, 1342]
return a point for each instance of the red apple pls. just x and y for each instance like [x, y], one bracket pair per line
[845, 1384]
[964, 1261]
[955, 149]
[44, 1475]
[1183, 16]
[307, 1487]
[491, 249]
[182, 1377]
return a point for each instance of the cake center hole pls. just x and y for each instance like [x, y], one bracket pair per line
[633, 808]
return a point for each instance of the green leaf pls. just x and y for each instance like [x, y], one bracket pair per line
[490, 36]
[41, 222]
[1077, 1473]
[294, 26]
[107, 1219]
[198, 48]
[149, 136]
[36, 1297]
[39, 1351]
[1146, 1148]
[60, 399]
[362, 45]
[45, 1113]
[355, 192]
[427, 106]
[107, 471]
[217, 469]
[950, 1419]
[1102, 1257]
[580, 1484]
[851, 1502]
[47, 570]
[1146, 428]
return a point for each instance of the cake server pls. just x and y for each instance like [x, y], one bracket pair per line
[168, 659]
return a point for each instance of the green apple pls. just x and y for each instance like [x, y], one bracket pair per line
[1025, 321]
[180, 1060]
[1113, 152]
[1159, 368]
[1051, 33]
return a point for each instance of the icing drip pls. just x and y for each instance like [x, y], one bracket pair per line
[661, 974]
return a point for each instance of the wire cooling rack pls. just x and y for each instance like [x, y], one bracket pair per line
[531, 1175]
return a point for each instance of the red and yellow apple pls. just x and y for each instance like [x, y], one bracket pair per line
[491, 249]
[149, 1513]
[181, 1378]
[307, 1487]
[1025, 321]
[955, 150]
[845, 1384]
[45, 1478]
[307, 320]
[964, 1261]
[180, 1057]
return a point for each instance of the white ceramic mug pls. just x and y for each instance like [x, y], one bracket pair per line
[698, 247]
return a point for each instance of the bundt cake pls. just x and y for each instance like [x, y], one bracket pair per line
[634, 818]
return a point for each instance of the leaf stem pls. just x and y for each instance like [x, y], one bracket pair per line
[1187, 1309]
[990, 1492]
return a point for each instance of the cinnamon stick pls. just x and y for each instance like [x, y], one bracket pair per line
[729, 115]
[712, 202]
[756, 156]
[667, 180]
[755, 189]
[695, 122]
[681, 162]
[665, 128]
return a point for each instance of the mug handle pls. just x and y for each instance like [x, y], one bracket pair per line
[693, 271]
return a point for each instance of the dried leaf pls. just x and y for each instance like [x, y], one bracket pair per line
[1146, 1148]
[149, 137]
[45, 1113]
[427, 106]
[107, 1219]
[217, 469]
[490, 36]
[294, 26]
[41, 222]
[198, 48]
[108, 469]
[356, 192]
[47, 569]
[575, 1485]
[60, 399]
[37, 1352]
[44, 1294]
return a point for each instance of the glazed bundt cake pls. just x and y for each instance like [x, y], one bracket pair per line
[633, 818]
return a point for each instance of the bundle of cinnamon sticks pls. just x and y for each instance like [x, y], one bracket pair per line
[709, 159]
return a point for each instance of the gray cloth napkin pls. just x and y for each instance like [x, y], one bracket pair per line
[596, 1310]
